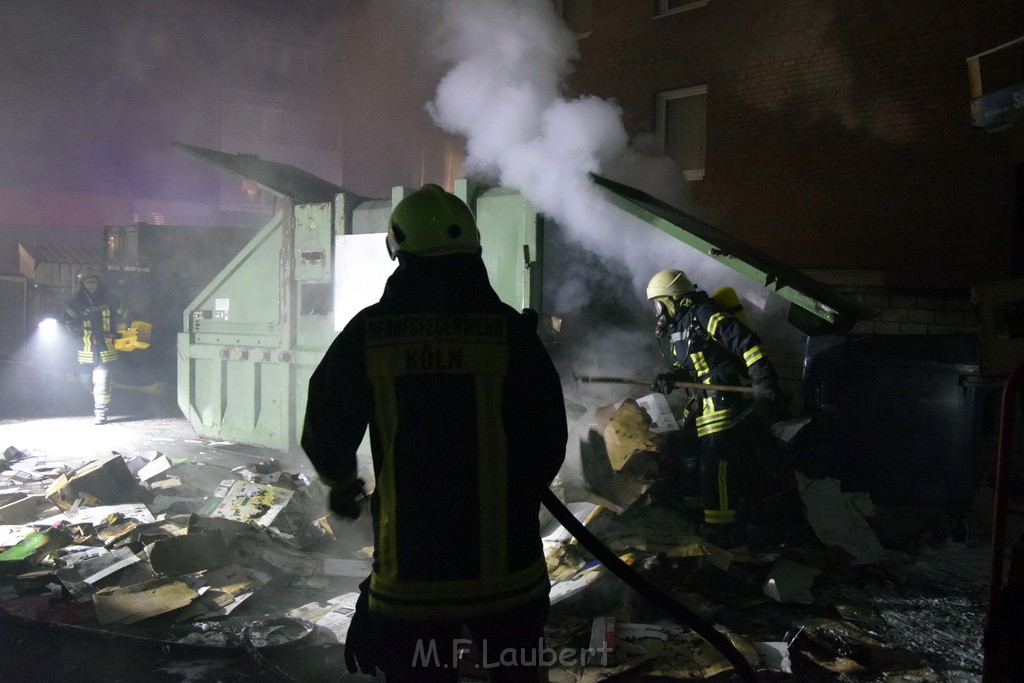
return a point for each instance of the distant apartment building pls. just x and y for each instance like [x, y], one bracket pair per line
[834, 136]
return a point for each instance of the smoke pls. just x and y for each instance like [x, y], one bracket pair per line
[503, 93]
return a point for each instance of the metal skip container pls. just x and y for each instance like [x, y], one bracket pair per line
[252, 338]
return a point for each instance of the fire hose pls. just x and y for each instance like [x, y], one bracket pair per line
[362, 653]
[645, 588]
[676, 384]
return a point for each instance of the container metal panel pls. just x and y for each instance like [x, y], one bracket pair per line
[235, 328]
[509, 233]
[246, 298]
[313, 242]
[234, 397]
[369, 217]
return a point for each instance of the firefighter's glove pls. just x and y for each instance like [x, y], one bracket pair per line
[664, 383]
[360, 647]
[345, 499]
[766, 386]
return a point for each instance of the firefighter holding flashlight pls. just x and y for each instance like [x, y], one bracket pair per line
[711, 345]
[467, 424]
[93, 314]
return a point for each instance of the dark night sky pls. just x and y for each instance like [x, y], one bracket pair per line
[94, 88]
[96, 92]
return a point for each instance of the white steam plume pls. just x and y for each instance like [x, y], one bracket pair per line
[503, 93]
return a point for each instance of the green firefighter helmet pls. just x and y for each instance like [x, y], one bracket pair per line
[432, 222]
[89, 273]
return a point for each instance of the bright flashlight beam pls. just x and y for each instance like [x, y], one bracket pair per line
[48, 327]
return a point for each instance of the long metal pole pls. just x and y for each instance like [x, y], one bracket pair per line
[678, 384]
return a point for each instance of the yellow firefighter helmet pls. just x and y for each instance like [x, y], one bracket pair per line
[432, 222]
[669, 284]
[667, 288]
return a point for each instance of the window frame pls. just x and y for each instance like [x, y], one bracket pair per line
[664, 10]
[661, 103]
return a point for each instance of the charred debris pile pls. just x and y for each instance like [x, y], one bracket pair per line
[186, 554]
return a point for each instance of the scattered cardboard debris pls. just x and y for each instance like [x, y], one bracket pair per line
[192, 565]
[246, 501]
[845, 649]
[627, 433]
[221, 591]
[775, 656]
[333, 616]
[94, 564]
[19, 508]
[837, 520]
[657, 408]
[12, 534]
[129, 604]
[27, 552]
[580, 580]
[107, 481]
[153, 468]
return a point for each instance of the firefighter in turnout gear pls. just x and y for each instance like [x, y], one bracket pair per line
[711, 345]
[93, 314]
[467, 425]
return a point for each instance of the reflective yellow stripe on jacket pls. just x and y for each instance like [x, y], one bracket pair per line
[97, 338]
[752, 355]
[400, 349]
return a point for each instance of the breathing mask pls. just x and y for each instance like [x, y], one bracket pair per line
[662, 325]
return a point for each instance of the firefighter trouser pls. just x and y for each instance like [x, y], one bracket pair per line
[98, 377]
[723, 456]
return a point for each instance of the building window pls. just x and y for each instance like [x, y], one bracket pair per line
[674, 6]
[577, 15]
[682, 128]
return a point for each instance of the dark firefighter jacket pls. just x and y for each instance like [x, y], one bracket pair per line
[467, 423]
[95, 318]
[713, 347]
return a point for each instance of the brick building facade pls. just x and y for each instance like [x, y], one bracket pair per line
[835, 137]
[838, 134]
